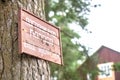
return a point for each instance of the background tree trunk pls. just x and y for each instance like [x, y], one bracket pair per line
[14, 66]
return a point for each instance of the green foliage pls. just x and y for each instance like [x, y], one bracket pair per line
[67, 11]
[61, 13]
[71, 54]
[116, 66]
[90, 67]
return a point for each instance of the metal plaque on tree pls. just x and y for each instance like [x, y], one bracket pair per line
[39, 38]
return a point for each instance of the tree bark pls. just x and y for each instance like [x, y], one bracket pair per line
[14, 66]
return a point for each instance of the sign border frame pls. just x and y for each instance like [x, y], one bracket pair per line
[20, 35]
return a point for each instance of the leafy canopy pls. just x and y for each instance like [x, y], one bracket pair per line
[61, 13]
[67, 11]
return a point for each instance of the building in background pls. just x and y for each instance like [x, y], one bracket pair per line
[101, 61]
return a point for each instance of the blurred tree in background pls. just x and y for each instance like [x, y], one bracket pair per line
[61, 13]
[116, 66]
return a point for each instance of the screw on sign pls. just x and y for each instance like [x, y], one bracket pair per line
[39, 38]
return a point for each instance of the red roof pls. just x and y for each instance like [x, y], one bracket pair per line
[106, 54]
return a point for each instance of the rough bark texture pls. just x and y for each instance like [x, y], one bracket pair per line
[14, 66]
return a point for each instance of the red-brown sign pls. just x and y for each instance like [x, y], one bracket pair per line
[39, 38]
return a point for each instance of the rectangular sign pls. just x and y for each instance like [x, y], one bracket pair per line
[39, 38]
[106, 71]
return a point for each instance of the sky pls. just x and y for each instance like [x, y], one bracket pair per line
[105, 26]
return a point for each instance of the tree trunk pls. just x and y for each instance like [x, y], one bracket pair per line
[14, 66]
